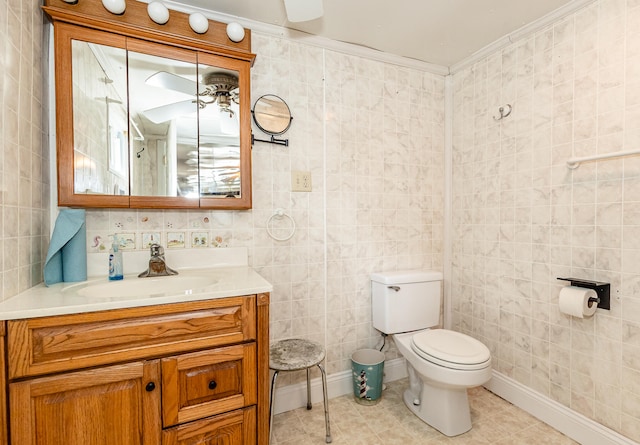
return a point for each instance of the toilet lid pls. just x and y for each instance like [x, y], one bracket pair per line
[451, 349]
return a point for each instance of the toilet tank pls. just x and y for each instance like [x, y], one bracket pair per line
[404, 301]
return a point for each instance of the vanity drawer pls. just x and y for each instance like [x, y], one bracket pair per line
[206, 383]
[236, 427]
[59, 343]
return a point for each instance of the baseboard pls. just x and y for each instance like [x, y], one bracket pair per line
[578, 427]
[295, 396]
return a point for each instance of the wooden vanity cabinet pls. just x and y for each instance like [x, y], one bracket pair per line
[111, 405]
[228, 429]
[3, 387]
[183, 373]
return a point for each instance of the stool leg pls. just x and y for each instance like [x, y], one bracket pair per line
[326, 404]
[308, 390]
[271, 400]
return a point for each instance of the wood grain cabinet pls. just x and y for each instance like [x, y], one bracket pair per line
[3, 385]
[111, 405]
[176, 374]
[143, 110]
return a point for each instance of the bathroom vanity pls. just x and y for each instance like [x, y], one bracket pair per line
[167, 368]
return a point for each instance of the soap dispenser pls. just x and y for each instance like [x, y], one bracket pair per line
[115, 261]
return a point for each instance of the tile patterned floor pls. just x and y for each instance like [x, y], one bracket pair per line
[495, 421]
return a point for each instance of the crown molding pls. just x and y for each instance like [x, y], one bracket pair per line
[521, 33]
[370, 53]
[308, 39]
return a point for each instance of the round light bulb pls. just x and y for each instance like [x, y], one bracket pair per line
[198, 23]
[115, 6]
[235, 32]
[158, 12]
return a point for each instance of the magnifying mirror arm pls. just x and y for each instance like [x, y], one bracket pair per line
[273, 140]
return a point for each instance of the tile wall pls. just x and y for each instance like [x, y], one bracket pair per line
[384, 152]
[521, 218]
[371, 134]
[24, 164]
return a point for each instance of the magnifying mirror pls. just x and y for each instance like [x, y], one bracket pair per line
[273, 116]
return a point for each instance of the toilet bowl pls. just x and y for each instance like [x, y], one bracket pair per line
[438, 385]
[442, 364]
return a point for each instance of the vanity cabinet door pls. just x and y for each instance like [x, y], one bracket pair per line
[234, 428]
[113, 405]
[205, 383]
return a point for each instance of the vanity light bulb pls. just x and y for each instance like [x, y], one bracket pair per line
[198, 23]
[115, 6]
[158, 12]
[235, 32]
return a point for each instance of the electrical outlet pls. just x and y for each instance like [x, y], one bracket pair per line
[300, 181]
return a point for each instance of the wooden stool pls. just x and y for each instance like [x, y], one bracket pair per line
[296, 354]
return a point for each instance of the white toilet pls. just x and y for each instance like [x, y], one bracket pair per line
[441, 363]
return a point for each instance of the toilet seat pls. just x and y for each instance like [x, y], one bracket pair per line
[451, 349]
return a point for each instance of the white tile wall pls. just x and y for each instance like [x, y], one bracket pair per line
[521, 218]
[371, 134]
[385, 179]
[24, 151]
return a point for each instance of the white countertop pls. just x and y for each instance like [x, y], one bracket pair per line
[90, 295]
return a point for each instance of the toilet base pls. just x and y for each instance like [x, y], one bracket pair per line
[444, 409]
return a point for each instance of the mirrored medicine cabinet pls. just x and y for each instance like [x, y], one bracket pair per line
[149, 116]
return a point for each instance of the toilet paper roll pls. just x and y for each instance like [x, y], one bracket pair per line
[574, 301]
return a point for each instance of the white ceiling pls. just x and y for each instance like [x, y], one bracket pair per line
[441, 32]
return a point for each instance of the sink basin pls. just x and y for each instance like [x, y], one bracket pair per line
[146, 287]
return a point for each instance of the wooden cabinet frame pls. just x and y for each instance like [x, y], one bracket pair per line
[4, 438]
[77, 21]
[226, 337]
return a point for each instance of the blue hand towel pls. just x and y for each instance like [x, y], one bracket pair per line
[67, 255]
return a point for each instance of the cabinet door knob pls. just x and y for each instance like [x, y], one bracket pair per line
[150, 386]
[212, 384]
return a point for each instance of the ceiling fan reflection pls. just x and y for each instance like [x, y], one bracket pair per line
[217, 87]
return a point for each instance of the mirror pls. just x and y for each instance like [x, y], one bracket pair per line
[188, 115]
[162, 105]
[219, 135]
[271, 114]
[154, 126]
[99, 121]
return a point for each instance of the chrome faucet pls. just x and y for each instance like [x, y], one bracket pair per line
[157, 265]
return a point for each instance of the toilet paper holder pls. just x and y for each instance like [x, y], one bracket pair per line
[603, 290]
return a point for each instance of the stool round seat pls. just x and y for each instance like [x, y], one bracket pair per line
[294, 354]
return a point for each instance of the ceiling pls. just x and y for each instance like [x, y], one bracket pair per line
[441, 32]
